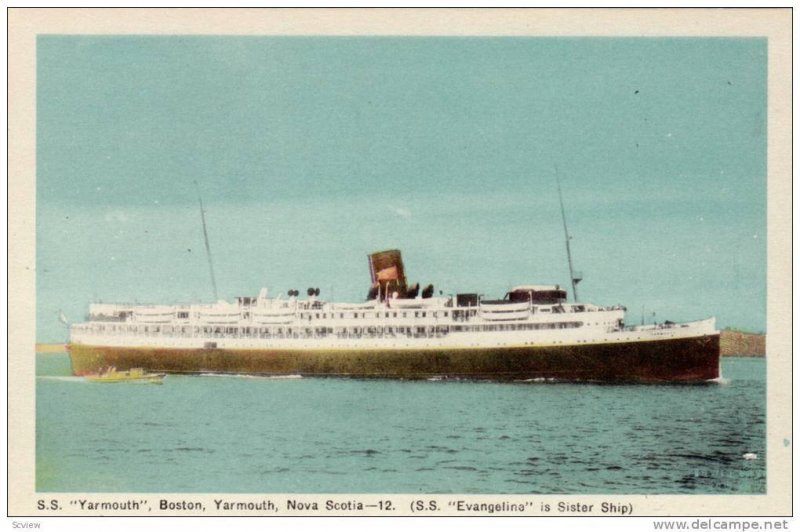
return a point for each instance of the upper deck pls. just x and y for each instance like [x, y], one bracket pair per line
[264, 311]
[395, 314]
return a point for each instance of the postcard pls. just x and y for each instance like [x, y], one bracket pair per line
[396, 263]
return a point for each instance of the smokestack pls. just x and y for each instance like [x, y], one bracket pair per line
[387, 273]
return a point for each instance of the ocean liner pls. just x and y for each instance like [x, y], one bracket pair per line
[401, 331]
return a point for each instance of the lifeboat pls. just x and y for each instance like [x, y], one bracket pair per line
[155, 314]
[504, 311]
[273, 317]
[415, 303]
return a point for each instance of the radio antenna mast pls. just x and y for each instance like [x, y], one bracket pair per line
[574, 277]
[208, 247]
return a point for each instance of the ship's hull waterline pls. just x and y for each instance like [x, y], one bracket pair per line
[694, 359]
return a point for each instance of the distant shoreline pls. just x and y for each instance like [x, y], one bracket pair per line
[732, 343]
[742, 344]
[51, 348]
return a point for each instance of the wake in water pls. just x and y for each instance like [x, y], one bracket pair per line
[65, 378]
[256, 377]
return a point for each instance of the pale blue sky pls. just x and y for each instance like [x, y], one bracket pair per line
[312, 152]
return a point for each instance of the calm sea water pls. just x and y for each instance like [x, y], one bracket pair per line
[263, 435]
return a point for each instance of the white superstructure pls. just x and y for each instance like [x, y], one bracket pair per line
[526, 319]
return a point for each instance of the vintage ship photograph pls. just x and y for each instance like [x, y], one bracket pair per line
[401, 331]
[480, 265]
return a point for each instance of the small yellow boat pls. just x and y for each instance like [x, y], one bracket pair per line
[111, 374]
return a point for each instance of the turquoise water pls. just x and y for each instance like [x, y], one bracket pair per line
[261, 435]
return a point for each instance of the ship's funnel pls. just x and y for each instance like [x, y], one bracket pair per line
[387, 273]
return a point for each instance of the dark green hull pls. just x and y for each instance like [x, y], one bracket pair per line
[673, 360]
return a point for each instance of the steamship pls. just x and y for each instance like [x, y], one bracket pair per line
[401, 330]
